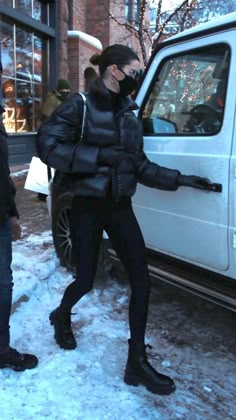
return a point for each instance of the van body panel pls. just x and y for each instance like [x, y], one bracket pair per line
[191, 224]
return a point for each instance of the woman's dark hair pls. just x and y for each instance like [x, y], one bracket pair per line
[89, 72]
[115, 54]
[89, 75]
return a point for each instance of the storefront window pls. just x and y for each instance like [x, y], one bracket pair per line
[21, 55]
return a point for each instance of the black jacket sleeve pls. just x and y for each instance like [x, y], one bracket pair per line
[155, 176]
[58, 140]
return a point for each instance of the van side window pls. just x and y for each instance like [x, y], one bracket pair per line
[187, 95]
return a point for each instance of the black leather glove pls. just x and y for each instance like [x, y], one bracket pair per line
[111, 156]
[193, 182]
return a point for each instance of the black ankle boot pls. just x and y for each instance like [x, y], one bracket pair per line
[138, 370]
[12, 359]
[61, 320]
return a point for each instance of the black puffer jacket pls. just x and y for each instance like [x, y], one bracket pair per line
[7, 189]
[59, 146]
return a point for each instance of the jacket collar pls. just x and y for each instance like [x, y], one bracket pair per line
[99, 91]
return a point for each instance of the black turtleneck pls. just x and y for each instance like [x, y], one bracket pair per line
[114, 100]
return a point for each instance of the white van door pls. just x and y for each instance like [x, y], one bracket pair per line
[185, 106]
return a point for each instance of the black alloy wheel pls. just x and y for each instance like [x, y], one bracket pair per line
[61, 229]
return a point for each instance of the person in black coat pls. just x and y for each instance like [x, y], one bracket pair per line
[9, 230]
[102, 170]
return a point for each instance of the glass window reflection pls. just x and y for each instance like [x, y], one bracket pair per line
[37, 56]
[24, 53]
[24, 6]
[37, 10]
[22, 79]
[32, 8]
[7, 49]
[188, 96]
[9, 116]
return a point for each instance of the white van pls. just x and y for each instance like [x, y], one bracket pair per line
[187, 106]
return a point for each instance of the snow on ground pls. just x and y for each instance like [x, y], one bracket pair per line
[87, 383]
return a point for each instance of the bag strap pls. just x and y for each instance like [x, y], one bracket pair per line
[84, 115]
[49, 171]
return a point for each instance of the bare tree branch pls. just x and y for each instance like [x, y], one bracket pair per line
[141, 29]
[137, 28]
[189, 3]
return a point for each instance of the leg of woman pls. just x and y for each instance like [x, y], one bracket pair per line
[86, 235]
[126, 237]
[6, 283]
[128, 242]
[9, 357]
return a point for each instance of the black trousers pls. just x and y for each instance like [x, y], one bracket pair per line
[6, 282]
[89, 217]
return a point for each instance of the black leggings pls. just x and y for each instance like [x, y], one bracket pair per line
[89, 216]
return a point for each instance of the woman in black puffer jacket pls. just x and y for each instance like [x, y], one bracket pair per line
[102, 170]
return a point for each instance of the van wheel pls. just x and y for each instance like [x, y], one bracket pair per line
[62, 239]
[61, 230]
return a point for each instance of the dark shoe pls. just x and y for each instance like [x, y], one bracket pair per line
[61, 320]
[139, 371]
[17, 361]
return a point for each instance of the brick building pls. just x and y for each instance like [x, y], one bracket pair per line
[44, 40]
[103, 20]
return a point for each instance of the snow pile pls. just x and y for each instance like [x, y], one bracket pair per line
[87, 383]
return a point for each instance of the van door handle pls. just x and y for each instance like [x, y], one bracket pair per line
[214, 187]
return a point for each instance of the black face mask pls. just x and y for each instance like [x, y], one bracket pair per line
[128, 84]
[64, 95]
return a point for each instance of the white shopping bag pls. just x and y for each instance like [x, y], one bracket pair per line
[37, 178]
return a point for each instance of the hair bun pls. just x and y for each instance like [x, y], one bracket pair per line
[95, 59]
